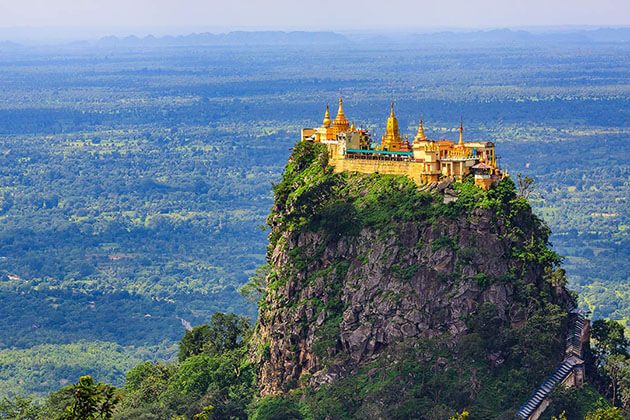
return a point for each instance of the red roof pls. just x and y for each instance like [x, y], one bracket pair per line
[482, 165]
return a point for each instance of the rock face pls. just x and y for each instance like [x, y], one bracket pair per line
[336, 300]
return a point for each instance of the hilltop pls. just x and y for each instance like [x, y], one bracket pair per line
[379, 294]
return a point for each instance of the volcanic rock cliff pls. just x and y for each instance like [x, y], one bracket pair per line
[366, 272]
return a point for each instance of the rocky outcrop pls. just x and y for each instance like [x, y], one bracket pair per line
[335, 301]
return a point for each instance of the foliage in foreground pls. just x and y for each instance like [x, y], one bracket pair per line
[85, 400]
[215, 379]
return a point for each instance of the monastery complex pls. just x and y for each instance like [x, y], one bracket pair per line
[424, 160]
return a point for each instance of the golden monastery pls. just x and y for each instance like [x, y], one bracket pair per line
[425, 161]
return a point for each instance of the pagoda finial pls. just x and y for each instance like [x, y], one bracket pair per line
[461, 131]
[420, 135]
[341, 123]
[340, 113]
[392, 139]
[327, 117]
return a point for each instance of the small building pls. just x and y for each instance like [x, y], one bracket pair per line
[483, 175]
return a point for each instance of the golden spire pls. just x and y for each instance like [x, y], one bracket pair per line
[341, 122]
[392, 139]
[420, 136]
[392, 123]
[461, 132]
[340, 115]
[327, 117]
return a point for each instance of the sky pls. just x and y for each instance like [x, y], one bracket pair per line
[159, 17]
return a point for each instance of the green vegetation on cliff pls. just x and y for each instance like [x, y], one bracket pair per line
[311, 197]
[323, 220]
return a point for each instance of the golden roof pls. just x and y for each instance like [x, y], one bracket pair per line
[392, 124]
[392, 139]
[327, 117]
[341, 122]
[420, 136]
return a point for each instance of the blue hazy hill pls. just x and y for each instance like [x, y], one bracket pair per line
[231, 38]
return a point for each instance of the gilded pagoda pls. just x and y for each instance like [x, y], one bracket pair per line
[424, 160]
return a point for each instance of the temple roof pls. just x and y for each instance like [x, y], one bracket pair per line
[392, 133]
[340, 119]
[420, 134]
[327, 117]
[482, 165]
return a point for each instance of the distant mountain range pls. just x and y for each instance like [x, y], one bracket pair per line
[615, 35]
[9, 45]
[495, 36]
[231, 38]
[303, 38]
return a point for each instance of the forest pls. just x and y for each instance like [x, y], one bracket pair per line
[136, 180]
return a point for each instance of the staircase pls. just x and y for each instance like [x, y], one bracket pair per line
[572, 358]
[574, 338]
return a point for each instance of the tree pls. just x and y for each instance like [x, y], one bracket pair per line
[624, 386]
[255, 287]
[195, 374]
[557, 277]
[91, 400]
[609, 340]
[55, 405]
[225, 383]
[611, 357]
[18, 409]
[206, 413]
[566, 403]
[227, 332]
[525, 185]
[618, 370]
[461, 416]
[276, 408]
[224, 332]
[610, 413]
[194, 342]
[146, 382]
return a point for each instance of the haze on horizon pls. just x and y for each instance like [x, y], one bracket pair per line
[73, 18]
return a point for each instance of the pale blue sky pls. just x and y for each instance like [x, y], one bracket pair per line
[349, 15]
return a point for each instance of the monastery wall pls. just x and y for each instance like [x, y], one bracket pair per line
[368, 166]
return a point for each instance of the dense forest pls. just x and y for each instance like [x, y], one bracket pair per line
[135, 180]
